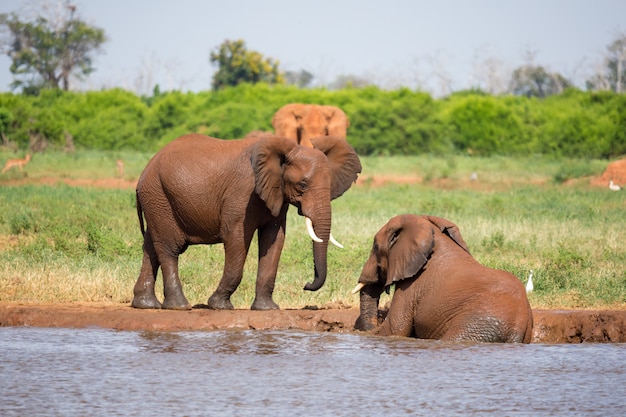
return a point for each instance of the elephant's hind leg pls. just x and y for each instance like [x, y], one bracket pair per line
[144, 296]
[173, 297]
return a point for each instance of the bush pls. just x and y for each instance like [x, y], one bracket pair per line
[399, 122]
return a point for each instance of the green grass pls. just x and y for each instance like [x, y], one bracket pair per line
[84, 164]
[70, 244]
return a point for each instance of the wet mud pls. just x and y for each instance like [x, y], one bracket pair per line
[558, 326]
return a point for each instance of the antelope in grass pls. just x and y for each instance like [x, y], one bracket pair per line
[16, 163]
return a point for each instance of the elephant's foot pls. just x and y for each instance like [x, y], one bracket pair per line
[178, 303]
[264, 303]
[146, 301]
[219, 302]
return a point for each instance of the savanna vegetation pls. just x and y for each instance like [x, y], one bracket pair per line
[399, 122]
[78, 244]
[528, 145]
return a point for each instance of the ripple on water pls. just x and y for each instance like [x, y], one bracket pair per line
[104, 372]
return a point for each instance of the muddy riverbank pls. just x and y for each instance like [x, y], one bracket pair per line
[551, 326]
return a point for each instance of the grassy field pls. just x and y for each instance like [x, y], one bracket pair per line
[61, 243]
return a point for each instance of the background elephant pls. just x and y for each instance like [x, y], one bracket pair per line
[201, 190]
[441, 291]
[305, 121]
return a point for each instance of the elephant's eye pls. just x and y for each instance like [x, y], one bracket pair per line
[301, 186]
[394, 237]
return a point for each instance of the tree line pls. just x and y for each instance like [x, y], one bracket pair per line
[573, 124]
[540, 113]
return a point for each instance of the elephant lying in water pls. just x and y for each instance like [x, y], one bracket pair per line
[202, 190]
[441, 291]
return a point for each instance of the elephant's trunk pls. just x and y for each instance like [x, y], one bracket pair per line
[369, 298]
[321, 225]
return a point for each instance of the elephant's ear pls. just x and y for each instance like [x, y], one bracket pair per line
[337, 121]
[411, 243]
[343, 161]
[449, 229]
[267, 158]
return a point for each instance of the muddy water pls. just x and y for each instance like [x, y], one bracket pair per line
[47, 371]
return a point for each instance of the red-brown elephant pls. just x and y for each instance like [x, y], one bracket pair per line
[302, 122]
[202, 190]
[441, 291]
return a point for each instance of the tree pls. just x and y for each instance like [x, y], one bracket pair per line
[300, 79]
[347, 81]
[536, 81]
[613, 75]
[238, 65]
[47, 51]
[489, 74]
[6, 118]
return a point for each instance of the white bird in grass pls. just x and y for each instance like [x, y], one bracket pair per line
[613, 186]
[529, 283]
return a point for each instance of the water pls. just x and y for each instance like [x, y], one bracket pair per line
[95, 372]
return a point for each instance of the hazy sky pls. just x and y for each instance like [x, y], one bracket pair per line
[391, 42]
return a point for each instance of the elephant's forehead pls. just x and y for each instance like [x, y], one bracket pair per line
[402, 223]
[393, 225]
[308, 155]
[380, 239]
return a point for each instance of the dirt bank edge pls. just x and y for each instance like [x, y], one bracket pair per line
[559, 326]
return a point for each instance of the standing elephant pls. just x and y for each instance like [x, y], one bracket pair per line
[302, 122]
[201, 190]
[441, 291]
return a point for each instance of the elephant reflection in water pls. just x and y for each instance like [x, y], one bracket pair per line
[441, 291]
[302, 122]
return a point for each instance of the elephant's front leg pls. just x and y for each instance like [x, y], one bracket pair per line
[235, 253]
[399, 320]
[271, 240]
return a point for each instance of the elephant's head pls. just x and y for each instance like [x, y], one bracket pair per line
[288, 120]
[303, 122]
[307, 178]
[402, 247]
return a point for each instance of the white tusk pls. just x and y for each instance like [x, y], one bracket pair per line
[309, 228]
[334, 242]
[358, 288]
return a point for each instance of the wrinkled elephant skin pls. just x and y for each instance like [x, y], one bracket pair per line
[441, 291]
[202, 190]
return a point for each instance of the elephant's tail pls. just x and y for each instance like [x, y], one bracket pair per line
[140, 213]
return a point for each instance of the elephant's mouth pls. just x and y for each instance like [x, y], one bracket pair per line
[315, 238]
[311, 229]
[358, 288]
